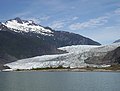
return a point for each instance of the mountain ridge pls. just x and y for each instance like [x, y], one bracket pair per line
[23, 39]
[117, 41]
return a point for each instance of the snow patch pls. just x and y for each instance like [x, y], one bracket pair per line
[27, 27]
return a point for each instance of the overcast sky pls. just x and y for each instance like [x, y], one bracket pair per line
[96, 19]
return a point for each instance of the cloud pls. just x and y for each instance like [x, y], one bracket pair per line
[51, 5]
[21, 14]
[57, 24]
[36, 20]
[117, 11]
[73, 7]
[88, 24]
[44, 18]
[94, 22]
[107, 34]
[75, 18]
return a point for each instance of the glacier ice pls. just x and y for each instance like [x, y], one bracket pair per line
[73, 59]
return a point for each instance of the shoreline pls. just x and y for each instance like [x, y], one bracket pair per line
[112, 68]
[63, 70]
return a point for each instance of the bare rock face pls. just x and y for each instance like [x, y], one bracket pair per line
[112, 57]
[6, 58]
[117, 41]
[96, 59]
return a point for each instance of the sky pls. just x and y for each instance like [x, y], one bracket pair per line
[96, 19]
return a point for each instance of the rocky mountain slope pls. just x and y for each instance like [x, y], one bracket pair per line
[99, 55]
[112, 57]
[117, 41]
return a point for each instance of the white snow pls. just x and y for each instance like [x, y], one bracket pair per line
[27, 27]
[35, 62]
[78, 48]
[106, 48]
[5, 70]
[74, 59]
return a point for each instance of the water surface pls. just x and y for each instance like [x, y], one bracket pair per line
[59, 81]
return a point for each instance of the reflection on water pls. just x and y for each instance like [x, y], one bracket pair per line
[59, 81]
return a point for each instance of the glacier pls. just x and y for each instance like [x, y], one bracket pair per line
[74, 58]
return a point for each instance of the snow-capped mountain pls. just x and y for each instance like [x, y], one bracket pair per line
[18, 25]
[75, 58]
[29, 28]
[21, 39]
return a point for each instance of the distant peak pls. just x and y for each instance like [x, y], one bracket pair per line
[31, 22]
[19, 25]
[18, 20]
[22, 21]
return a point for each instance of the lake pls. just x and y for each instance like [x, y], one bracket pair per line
[59, 81]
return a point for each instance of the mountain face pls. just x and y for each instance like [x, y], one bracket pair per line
[109, 54]
[112, 57]
[117, 41]
[22, 39]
